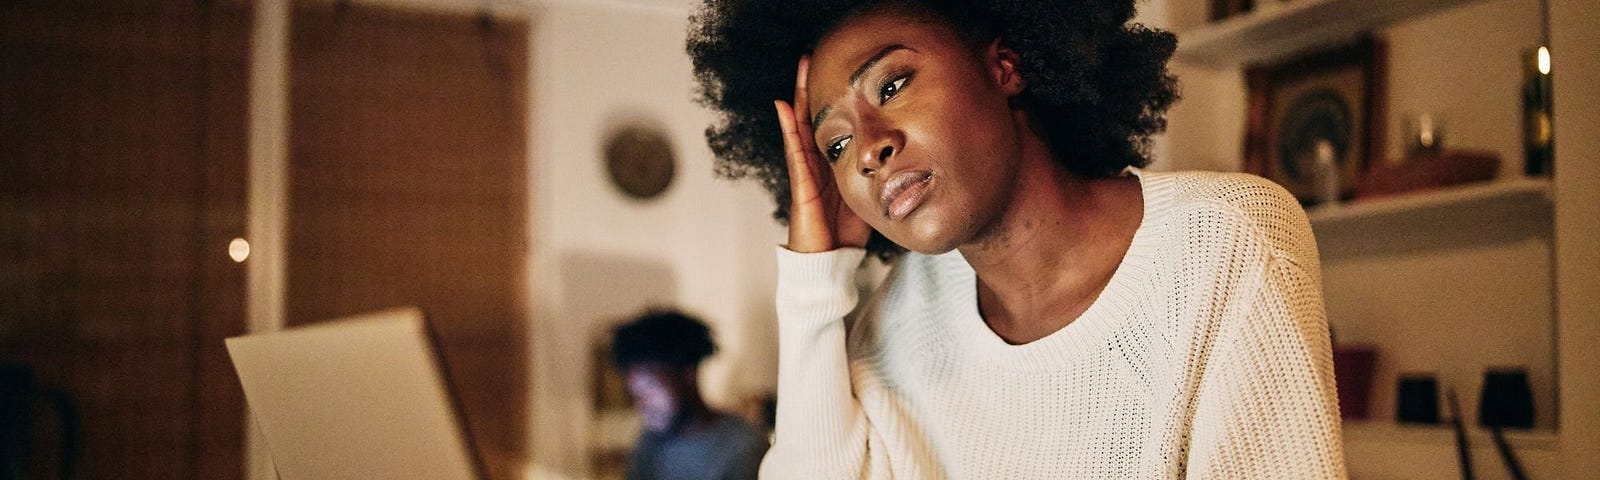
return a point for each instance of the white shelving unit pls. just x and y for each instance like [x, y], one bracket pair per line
[1277, 29]
[1379, 448]
[1435, 231]
[1465, 214]
[1532, 192]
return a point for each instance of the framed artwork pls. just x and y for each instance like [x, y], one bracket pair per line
[610, 390]
[1224, 9]
[608, 453]
[1315, 122]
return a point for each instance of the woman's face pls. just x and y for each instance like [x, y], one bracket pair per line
[916, 123]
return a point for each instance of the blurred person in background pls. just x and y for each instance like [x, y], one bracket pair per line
[659, 356]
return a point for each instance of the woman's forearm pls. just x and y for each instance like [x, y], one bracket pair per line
[821, 431]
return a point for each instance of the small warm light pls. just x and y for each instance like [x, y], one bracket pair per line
[238, 250]
[1544, 60]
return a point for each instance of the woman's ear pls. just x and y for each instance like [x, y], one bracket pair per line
[1002, 62]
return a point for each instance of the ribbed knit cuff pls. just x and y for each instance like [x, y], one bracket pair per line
[817, 286]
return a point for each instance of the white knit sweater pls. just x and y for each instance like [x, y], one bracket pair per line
[1206, 356]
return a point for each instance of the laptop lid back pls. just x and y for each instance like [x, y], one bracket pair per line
[359, 397]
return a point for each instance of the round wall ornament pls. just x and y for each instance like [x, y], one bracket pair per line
[639, 159]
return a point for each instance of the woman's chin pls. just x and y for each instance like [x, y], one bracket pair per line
[927, 237]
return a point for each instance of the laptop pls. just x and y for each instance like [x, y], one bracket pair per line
[361, 397]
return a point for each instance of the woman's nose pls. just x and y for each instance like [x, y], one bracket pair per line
[882, 144]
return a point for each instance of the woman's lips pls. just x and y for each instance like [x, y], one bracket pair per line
[903, 193]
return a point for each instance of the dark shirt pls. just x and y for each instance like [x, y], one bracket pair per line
[726, 448]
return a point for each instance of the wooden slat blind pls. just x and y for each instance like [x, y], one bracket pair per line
[122, 162]
[408, 186]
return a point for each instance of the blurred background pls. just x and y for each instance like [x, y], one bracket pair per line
[532, 172]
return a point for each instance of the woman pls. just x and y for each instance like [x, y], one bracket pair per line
[1053, 312]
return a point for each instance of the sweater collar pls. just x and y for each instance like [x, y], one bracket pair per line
[1091, 330]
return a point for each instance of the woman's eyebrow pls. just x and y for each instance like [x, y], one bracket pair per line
[855, 78]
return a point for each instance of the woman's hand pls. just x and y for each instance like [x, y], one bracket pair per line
[819, 220]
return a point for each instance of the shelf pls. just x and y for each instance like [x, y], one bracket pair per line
[1519, 191]
[1516, 209]
[1276, 30]
[1373, 431]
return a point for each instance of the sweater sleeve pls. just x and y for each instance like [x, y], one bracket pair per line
[1267, 406]
[821, 431]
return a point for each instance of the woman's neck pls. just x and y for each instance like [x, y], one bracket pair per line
[1054, 248]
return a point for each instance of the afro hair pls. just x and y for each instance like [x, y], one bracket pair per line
[665, 337]
[1097, 84]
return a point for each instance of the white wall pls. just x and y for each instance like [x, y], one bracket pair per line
[708, 240]
[1575, 37]
[1205, 128]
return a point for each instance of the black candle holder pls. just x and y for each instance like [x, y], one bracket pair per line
[1418, 399]
[1506, 399]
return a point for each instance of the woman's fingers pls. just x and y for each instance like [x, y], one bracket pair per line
[802, 184]
[819, 220]
[802, 108]
[808, 225]
[817, 171]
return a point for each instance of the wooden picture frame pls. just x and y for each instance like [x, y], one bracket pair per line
[1305, 106]
[1225, 9]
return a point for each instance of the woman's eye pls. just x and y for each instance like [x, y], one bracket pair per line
[836, 149]
[892, 88]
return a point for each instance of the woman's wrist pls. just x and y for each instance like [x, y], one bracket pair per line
[821, 283]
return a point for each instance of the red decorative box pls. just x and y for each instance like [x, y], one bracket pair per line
[1431, 171]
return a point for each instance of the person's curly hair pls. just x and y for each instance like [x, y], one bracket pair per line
[664, 337]
[1097, 85]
